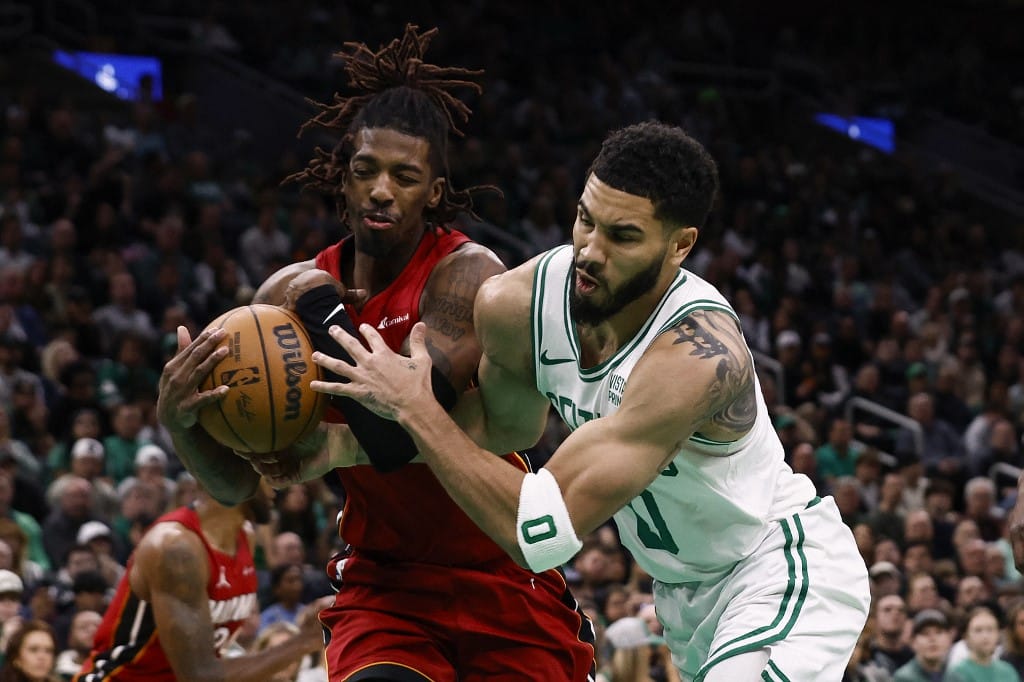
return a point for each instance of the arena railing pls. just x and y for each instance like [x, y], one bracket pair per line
[770, 364]
[882, 412]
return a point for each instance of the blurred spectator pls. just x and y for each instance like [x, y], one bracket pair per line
[127, 376]
[151, 467]
[1013, 638]
[87, 461]
[30, 654]
[123, 445]
[980, 507]
[931, 641]
[30, 532]
[263, 244]
[74, 508]
[886, 580]
[122, 315]
[943, 448]
[286, 595]
[12, 590]
[981, 635]
[888, 648]
[98, 537]
[633, 648]
[886, 520]
[838, 456]
[288, 548]
[90, 594]
[83, 629]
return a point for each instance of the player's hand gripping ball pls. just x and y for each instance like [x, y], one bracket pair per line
[269, 404]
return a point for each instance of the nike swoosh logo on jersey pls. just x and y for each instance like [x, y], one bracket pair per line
[545, 360]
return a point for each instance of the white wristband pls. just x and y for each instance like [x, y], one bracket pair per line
[543, 528]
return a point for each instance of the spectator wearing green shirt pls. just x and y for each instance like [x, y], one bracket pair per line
[982, 636]
[931, 641]
[123, 445]
[838, 456]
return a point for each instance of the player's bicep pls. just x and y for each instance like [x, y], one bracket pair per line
[694, 378]
[176, 574]
[505, 413]
[447, 311]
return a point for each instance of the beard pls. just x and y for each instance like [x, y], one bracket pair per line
[588, 311]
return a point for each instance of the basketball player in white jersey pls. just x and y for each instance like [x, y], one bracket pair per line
[756, 577]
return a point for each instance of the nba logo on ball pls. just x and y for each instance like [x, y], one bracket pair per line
[269, 404]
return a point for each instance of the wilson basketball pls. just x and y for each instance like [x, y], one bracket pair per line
[268, 368]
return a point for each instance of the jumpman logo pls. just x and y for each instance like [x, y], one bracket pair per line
[223, 581]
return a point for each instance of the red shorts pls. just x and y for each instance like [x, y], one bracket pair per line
[496, 623]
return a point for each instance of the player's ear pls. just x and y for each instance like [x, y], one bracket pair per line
[436, 192]
[681, 242]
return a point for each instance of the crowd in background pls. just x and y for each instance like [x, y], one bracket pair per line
[854, 276]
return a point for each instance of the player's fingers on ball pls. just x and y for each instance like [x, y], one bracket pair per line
[204, 398]
[206, 366]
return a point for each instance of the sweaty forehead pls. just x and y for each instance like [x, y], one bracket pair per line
[609, 206]
[387, 146]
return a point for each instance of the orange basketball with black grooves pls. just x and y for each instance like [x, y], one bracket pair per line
[269, 365]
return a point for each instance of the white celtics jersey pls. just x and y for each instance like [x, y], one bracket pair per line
[715, 501]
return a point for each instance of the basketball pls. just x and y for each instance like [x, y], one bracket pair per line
[268, 368]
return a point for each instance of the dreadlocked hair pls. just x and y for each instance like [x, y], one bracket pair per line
[401, 92]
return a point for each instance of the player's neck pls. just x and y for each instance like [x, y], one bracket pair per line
[374, 273]
[600, 341]
[220, 526]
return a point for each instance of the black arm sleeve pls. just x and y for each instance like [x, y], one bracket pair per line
[386, 443]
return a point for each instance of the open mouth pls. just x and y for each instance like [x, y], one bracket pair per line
[585, 283]
[378, 221]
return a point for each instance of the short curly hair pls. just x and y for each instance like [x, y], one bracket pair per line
[660, 162]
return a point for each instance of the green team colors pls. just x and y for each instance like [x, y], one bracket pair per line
[687, 525]
[744, 555]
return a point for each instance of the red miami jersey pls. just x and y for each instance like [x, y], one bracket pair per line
[405, 515]
[127, 645]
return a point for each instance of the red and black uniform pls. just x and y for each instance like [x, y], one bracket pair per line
[424, 590]
[127, 645]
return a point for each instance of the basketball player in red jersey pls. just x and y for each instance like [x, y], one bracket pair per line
[189, 586]
[424, 594]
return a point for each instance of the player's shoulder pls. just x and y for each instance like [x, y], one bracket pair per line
[510, 291]
[469, 262]
[167, 538]
[502, 307]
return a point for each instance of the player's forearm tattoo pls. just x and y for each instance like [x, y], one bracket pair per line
[731, 400]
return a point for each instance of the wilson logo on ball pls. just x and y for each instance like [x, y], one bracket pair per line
[243, 376]
[294, 367]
